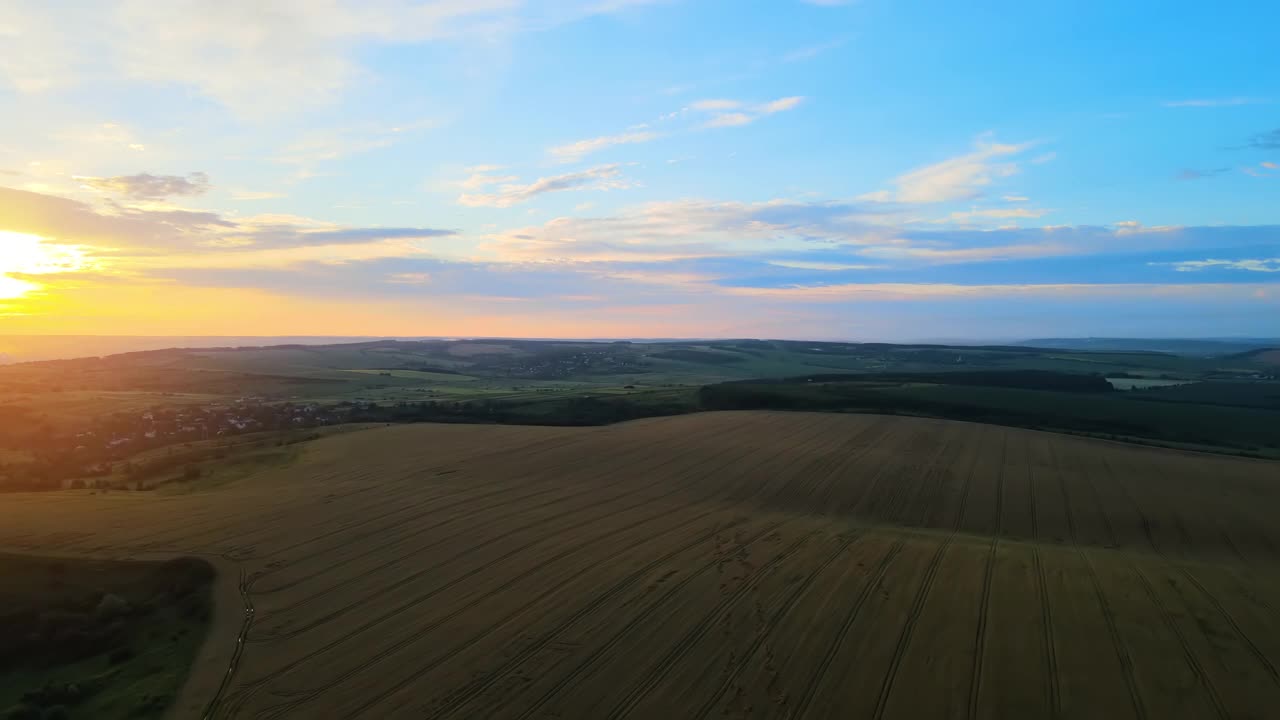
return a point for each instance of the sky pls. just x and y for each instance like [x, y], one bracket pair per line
[869, 170]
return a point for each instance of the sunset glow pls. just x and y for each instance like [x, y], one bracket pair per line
[24, 255]
[546, 167]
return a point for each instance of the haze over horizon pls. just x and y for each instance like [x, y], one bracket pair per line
[639, 168]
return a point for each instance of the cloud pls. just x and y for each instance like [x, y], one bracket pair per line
[1270, 165]
[932, 291]
[826, 266]
[1191, 174]
[150, 187]
[1215, 102]
[481, 175]
[1269, 140]
[601, 177]
[1014, 198]
[716, 104]
[1268, 265]
[685, 229]
[780, 105]
[997, 214]
[575, 151]
[255, 195]
[811, 51]
[115, 230]
[748, 113]
[1133, 227]
[971, 254]
[409, 278]
[730, 120]
[960, 178]
[254, 60]
[308, 151]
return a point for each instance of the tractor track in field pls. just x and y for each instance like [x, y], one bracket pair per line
[460, 697]
[659, 671]
[1050, 649]
[873, 581]
[763, 634]
[922, 595]
[1188, 654]
[248, 691]
[908, 628]
[419, 531]
[1117, 643]
[600, 651]
[408, 579]
[417, 601]
[980, 639]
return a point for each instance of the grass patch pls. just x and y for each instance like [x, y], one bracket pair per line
[98, 639]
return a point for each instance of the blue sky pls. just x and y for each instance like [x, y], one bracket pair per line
[593, 168]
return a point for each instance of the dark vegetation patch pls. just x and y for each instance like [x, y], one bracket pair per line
[1241, 430]
[699, 356]
[1026, 379]
[1235, 394]
[426, 369]
[98, 639]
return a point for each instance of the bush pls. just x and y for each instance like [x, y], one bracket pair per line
[111, 606]
[22, 712]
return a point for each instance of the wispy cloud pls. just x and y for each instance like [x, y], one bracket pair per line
[575, 151]
[996, 214]
[1269, 140]
[1215, 102]
[121, 230]
[255, 195]
[145, 186]
[482, 175]
[313, 148]
[716, 104]
[1267, 265]
[684, 229]
[730, 120]
[970, 254]
[409, 278]
[743, 113]
[959, 178]
[826, 266]
[1193, 174]
[601, 177]
[298, 56]
[810, 52]
[931, 291]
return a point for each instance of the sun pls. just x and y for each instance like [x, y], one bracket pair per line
[23, 254]
[13, 288]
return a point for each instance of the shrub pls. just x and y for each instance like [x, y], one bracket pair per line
[22, 712]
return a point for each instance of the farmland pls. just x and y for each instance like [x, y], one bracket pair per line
[87, 421]
[728, 564]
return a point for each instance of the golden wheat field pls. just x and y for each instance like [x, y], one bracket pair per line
[726, 565]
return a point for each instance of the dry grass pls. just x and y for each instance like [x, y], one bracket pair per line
[729, 565]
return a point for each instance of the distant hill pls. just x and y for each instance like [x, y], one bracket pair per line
[1270, 356]
[1202, 347]
[29, 348]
